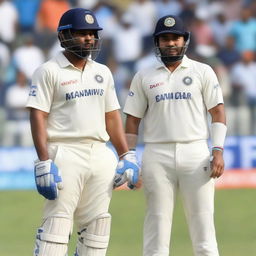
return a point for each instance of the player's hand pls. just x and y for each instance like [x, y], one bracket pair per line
[128, 171]
[217, 164]
[48, 179]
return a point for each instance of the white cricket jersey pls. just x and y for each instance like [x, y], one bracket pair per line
[75, 100]
[174, 104]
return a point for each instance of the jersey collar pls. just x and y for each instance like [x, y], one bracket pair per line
[64, 62]
[185, 63]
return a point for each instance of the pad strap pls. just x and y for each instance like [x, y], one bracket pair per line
[96, 241]
[55, 230]
[96, 234]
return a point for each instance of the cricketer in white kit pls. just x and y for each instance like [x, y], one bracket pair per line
[173, 99]
[74, 111]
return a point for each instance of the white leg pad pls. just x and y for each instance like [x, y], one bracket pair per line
[53, 236]
[94, 239]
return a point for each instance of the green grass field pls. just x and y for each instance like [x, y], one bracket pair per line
[235, 216]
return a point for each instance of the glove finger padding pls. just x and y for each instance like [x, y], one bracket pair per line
[133, 172]
[57, 176]
[137, 185]
[120, 177]
[48, 179]
[119, 180]
[127, 170]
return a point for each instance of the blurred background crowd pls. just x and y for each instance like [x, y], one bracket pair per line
[223, 35]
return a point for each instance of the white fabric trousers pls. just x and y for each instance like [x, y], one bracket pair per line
[166, 169]
[87, 172]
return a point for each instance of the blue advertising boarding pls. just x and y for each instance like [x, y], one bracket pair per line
[16, 163]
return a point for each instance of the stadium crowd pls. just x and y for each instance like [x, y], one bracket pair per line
[223, 34]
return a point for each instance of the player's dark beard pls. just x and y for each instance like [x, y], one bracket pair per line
[83, 51]
[170, 55]
[80, 51]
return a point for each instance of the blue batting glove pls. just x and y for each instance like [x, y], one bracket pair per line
[127, 170]
[48, 179]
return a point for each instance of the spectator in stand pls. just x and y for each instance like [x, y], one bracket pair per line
[87, 4]
[252, 4]
[127, 43]
[122, 78]
[5, 57]
[27, 10]
[165, 7]
[207, 54]
[144, 15]
[243, 77]
[47, 21]
[28, 56]
[228, 54]
[243, 31]
[201, 30]
[17, 127]
[4, 63]
[232, 8]
[106, 13]
[220, 27]
[211, 7]
[53, 51]
[147, 60]
[8, 24]
[188, 13]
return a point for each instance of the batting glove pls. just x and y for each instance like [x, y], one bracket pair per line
[48, 179]
[127, 170]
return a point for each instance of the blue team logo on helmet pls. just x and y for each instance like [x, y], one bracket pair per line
[187, 80]
[78, 19]
[83, 20]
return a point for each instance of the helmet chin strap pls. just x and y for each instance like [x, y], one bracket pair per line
[79, 53]
[170, 59]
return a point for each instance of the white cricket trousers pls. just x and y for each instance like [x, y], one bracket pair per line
[166, 169]
[87, 172]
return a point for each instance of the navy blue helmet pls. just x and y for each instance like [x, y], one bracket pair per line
[78, 19]
[170, 24]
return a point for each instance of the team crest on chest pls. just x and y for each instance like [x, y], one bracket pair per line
[99, 78]
[187, 80]
[131, 94]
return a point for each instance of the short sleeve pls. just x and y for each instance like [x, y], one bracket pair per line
[111, 102]
[212, 92]
[41, 90]
[136, 102]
